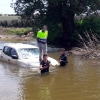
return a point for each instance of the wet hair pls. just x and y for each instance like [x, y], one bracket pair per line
[45, 55]
[62, 50]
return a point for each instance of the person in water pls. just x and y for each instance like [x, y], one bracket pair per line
[45, 64]
[63, 58]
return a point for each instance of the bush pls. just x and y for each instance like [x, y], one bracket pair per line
[14, 21]
[92, 22]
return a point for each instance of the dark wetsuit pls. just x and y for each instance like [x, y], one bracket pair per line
[64, 61]
[45, 64]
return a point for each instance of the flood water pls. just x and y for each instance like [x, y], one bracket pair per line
[79, 80]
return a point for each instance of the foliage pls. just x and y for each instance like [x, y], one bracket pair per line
[88, 23]
[14, 21]
[90, 45]
[55, 13]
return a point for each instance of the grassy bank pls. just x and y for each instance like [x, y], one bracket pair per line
[15, 31]
[18, 31]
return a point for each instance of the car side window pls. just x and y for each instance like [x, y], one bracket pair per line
[13, 52]
[7, 50]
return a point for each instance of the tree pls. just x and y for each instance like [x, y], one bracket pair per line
[57, 14]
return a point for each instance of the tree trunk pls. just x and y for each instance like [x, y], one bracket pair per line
[68, 27]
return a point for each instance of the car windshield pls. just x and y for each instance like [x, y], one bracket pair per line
[26, 53]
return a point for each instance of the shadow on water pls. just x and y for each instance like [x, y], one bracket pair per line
[79, 80]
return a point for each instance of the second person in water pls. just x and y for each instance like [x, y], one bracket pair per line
[63, 58]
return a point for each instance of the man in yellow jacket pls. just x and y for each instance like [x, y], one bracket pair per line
[42, 41]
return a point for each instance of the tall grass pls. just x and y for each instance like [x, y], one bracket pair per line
[18, 31]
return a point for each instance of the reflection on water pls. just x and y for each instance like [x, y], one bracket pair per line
[9, 84]
[79, 80]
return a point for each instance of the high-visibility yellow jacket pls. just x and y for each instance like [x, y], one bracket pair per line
[42, 36]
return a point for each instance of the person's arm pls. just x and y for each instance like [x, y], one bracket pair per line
[59, 60]
[49, 65]
[38, 36]
[47, 34]
[46, 67]
[65, 59]
[41, 68]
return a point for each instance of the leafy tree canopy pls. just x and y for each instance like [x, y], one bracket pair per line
[57, 14]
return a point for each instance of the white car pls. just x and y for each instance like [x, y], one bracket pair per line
[24, 55]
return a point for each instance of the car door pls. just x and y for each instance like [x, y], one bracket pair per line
[6, 55]
[13, 52]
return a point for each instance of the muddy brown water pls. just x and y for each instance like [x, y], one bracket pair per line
[79, 80]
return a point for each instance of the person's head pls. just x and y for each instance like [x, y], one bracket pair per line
[45, 57]
[44, 28]
[62, 51]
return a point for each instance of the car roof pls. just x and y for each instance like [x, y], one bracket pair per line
[19, 45]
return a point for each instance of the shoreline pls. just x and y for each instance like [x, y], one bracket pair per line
[76, 51]
[5, 37]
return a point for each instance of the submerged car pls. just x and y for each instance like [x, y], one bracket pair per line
[24, 55]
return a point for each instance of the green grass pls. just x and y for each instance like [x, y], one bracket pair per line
[13, 30]
[17, 31]
[9, 18]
